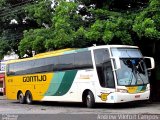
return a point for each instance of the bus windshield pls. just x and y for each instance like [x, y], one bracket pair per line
[133, 69]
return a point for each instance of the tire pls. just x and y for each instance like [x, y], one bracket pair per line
[29, 98]
[21, 98]
[90, 101]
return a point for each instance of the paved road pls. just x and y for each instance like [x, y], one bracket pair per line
[72, 111]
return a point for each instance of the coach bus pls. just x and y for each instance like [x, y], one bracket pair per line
[98, 74]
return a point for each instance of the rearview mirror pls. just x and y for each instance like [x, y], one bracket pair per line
[152, 66]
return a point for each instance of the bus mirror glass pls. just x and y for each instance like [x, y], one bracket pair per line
[117, 64]
[150, 63]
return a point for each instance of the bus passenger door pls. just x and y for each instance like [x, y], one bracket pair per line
[108, 79]
[104, 68]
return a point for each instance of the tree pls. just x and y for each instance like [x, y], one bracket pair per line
[16, 16]
[35, 40]
[65, 31]
[12, 25]
[41, 12]
[146, 23]
[111, 28]
[86, 22]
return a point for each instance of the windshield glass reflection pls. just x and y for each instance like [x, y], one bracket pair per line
[133, 72]
[133, 69]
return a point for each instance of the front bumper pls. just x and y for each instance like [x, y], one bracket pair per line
[127, 97]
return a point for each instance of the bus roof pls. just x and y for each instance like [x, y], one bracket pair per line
[53, 52]
[41, 55]
[69, 50]
[113, 46]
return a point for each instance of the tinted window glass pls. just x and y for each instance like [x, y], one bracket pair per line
[80, 60]
[66, 62]
[104, 69]
[25, 67]
[51, 63]
[125, 53]
[39, 66]
[83, 60]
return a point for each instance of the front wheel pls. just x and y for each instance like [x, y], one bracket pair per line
[29, 98]
[90, 101]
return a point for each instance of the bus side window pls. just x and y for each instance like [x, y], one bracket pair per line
[12, 69]
[66, 62]
[51, 63]
[83, 60]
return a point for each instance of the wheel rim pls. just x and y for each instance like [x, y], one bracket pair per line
[29, 98]
[88, 99]
[20, 97]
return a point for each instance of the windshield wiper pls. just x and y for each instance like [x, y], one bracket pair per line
[137, 70]
[131, 78]
[140, 77]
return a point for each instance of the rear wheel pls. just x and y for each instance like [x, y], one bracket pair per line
[90, 101]
[21, 98]
[29, 98]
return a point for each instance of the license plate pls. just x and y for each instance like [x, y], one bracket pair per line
[137, 96]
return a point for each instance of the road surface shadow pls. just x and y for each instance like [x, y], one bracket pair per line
[97, 106]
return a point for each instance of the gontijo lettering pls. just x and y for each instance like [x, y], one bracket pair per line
[35, 78]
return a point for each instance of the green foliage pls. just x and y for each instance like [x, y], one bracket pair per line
[4, 48]
[62, 26]
[115, 27]
[68, 24]
[12, 32]
[61, 34]
[27, 41]
[147, 22]
[79, 38]
[41, 12]
[62, 39]
[95, 32]
[35, 40]
[108, 36]
[65, 16]
[2, 3]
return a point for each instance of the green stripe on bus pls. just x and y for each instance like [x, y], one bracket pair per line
[144, 88]
[66, 82]
[141, 88]
[55, 83]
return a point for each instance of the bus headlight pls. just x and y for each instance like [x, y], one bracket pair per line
[122, 90]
